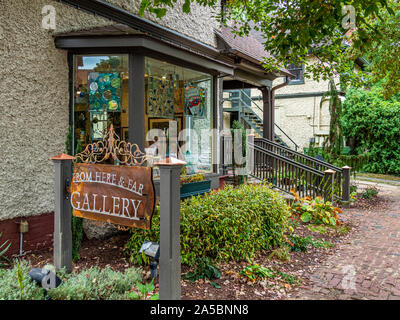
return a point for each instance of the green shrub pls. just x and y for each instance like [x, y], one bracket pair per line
[230, 224]
[10, 288]
[315, 210]
[204, 270]
[91, 284]
[373, 124]
[369, 192]
[96, 284]
[255, 272]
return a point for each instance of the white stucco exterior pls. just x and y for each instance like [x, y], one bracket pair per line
[34, 93]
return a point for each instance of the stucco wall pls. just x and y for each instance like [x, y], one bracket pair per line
[34, 97]
[197, 24]
[301, 118]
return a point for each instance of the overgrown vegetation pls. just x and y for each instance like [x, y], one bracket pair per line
[230, 224]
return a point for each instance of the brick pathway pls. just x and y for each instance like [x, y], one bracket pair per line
[367, 264]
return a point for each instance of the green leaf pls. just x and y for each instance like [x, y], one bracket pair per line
[306, 217]
[186, 6]
[159, 12]
[215, 285]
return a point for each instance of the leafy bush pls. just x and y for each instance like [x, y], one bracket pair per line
[301, 244]
[373, 125]
[230, 224]
[204, 270]
[192, 178]
[369, 192]
[315, 210]
[255, 272]
[143, 292]
[91, 284]
[13, 282]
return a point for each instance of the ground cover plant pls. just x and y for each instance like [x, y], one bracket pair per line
[369, 192]
[315, 210]
[89, 284]
[231, 224]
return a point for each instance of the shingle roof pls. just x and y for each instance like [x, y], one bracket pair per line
[250, 46]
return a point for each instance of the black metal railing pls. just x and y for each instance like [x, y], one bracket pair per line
[303, 162]
[246, 104]
[288, 175]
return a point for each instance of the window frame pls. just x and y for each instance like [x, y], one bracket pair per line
[297, 81]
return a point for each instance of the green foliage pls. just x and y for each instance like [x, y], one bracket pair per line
[315, 210]
[16, 285]
[255, 272]
[373, 126]
[384, 54]
[292, 31]
[324, 229]
[369, 192]
[282, 254]
[143, 291]
[20, 278]
[96, 284]
[301, 244]
[192, 178]
[224, 225]
[204, 270]
[3, 249]
[91, 284]
[335, 143]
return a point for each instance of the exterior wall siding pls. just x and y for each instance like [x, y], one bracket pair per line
[34, 94]
[301, 118]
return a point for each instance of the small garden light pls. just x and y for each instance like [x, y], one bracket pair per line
[152, 250]
[45, 278]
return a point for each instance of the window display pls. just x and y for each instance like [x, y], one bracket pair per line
[101, 97]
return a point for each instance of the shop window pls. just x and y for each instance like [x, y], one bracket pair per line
[298, 72]
[101, 97]
[174, 93]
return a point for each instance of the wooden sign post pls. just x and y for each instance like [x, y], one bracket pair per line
[62, 212]
[170, 250]
[122, 195]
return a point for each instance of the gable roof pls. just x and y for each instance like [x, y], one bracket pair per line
[248, 47]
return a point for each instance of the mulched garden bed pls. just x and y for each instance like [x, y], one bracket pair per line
[233, 286]
[110, 253]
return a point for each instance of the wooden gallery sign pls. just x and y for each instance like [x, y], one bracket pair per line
[122, 195]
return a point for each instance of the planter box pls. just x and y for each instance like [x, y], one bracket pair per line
[195, 189]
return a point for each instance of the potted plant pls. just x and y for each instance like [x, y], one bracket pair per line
[193, 185]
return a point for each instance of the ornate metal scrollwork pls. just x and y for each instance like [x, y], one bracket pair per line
[111, 147]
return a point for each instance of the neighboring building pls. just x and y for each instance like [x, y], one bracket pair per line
[300, 118]
[54, 79]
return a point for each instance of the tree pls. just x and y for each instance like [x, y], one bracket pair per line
[293, 29]
[335, 142]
